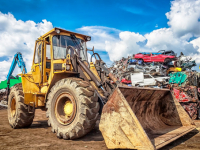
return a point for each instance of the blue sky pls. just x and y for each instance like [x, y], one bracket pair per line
[118, 28]
[127, 15]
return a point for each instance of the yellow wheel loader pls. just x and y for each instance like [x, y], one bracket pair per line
[74, 92]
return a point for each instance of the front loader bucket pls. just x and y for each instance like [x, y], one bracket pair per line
[143, 118]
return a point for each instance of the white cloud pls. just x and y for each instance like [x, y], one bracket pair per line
[99, 35]
[196, 43]
[19, 36]
[125, 46]
[118, 44]
[4, 65]
[164, 39]
[184, 17]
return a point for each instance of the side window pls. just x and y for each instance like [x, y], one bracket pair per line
[48, 55]
[38, 52]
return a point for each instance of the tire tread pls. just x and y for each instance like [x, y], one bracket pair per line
[88, 112]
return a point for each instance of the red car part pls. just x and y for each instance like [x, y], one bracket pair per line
[126, 81]
[154, 58]
[187, 97]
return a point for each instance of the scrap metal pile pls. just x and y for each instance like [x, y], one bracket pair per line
[185, 88]
[3, 96]
[152, 65]
[3, 88]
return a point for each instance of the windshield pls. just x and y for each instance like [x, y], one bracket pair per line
[161, 51]
[60, 43]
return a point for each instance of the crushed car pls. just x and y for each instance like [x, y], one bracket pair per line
[144, 80]
[162, 56]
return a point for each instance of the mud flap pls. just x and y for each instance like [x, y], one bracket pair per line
[143, 118]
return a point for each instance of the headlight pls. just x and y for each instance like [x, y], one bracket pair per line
[67, 67]
[57, 31]
[88, 38]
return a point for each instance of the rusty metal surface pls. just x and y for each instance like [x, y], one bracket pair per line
[2, 95]
[185, 94]
[3, 101]
[112, 77]
[140, 112]
[191, 109]
[188, 98]
[154, 108]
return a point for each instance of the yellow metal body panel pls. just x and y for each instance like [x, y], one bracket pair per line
[29, 87]
[94, 70]
[44, 89]
[174, 69]
[36, 73]
[40, 101]
[28, 84]
[64, 32]
[178, 69]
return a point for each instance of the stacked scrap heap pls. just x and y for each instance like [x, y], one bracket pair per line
[185, 88]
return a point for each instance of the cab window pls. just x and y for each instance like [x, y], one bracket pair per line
[60, 43]
[48, 56]
[38, 53]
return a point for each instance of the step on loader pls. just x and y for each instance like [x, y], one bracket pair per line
[75, 92]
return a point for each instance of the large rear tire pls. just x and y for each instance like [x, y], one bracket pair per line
[18, 115]
[72, 108]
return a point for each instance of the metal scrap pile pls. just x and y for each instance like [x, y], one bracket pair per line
[2, 97]
[159, 64]
[3, 103]
[185, 62]
[120, 69]
[3, 88]
[123, 68]
[185, 88]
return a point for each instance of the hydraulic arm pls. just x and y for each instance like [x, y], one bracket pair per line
[16, 60]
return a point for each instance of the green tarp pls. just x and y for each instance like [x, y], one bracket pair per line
[178, 78]
[3, 84]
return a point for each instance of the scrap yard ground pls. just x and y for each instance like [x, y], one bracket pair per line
[39, 136]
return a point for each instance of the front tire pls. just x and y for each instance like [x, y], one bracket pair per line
[18, 115]
[72, 108]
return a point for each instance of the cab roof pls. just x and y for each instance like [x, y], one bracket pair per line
[63, 31]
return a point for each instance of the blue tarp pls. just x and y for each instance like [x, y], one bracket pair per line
[145, 53]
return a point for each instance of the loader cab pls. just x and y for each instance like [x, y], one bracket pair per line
[51, 54]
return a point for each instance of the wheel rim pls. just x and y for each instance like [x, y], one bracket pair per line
[13, 107]
[65, 108]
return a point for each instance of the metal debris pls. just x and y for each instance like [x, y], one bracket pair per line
[185, 88]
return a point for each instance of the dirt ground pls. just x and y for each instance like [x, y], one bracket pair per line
[39, 136]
